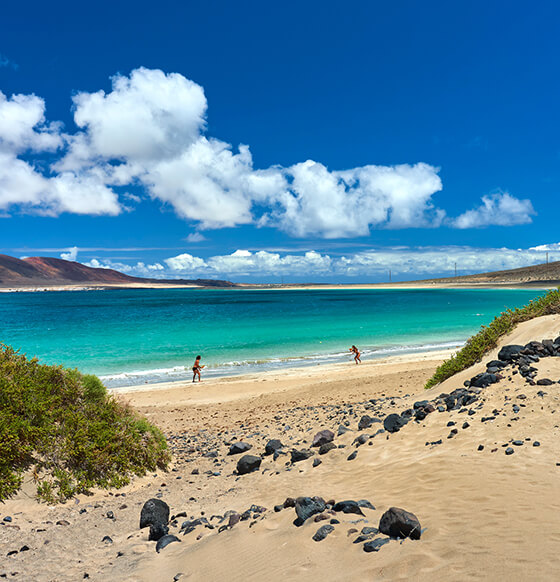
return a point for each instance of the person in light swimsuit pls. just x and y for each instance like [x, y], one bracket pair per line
[196, 368]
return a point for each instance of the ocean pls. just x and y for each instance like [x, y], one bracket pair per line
[134, 336]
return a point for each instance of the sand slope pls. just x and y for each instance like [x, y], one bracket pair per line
[487, 516]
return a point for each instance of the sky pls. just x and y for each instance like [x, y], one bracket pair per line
[297, 142]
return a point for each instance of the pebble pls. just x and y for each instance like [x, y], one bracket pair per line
[509, 451]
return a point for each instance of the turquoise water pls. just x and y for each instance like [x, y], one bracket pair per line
[139, 335]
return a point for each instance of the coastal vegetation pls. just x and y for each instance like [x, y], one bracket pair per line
[62, 429]
[489, 335]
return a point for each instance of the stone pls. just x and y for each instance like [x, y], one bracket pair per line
[375, 545]
[509, 353]
[398, 523]
[323, 532]
[509, 451]
[239, 447]
[365, 422]
[272, 446]
[107, 540]
[316, 462]
[298, 456]
[322, 438]
[544, 382]
[536, 444]
[248, 464]
[342, 429]
[154, 511]
[308, 506]
[517, 443]
[361, 440]
[326, 448]
[496, 364]
[393, 423]
[157, 531]
[165, 541]
[420, 404]
[352, 456]
[289, 502]
[348, 506]
[483, 380]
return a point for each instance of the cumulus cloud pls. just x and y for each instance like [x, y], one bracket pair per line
[140, 269]
[71, 255]
[149, 130]
[547, 247]
[497, 209]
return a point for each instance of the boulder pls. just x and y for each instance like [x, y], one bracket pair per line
[348, 506]
[272, 446]
[154, 512]
[398, 523]
[308, 506]
[509, 353]
[326, 448]
[238, 448]
[248, 464]
[394, 422]
[323, 532]
[322, 438]
[157, 531]
[365, 422]
[165, 541]
[483, 380]
[298, 456]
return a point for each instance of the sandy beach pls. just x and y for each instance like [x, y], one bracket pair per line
[485, 514]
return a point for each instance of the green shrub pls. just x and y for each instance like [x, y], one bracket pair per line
[65, 429]
[489, 336]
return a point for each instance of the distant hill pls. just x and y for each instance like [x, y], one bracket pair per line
[49, 272]
[545, 274]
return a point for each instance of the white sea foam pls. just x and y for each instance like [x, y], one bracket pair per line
[237, 367]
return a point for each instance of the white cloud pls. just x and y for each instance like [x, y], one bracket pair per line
[497, 209]
[547, 247]
[149, 131]
[195, 237]
[71, 255]
[23, 125]
[140, 269]
[186, 264]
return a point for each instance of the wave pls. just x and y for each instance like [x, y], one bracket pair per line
[238, 367]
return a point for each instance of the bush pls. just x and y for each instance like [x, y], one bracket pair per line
[65, 429]
[488, 336]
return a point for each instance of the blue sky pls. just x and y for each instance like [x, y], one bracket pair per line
[309, 141]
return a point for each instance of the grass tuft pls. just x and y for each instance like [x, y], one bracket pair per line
[489, 335]
[65, 429]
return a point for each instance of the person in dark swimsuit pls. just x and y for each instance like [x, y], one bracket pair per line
[357, 354]
[196, 368]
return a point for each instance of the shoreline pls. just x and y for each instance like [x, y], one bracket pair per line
[311, 372]
[537, 285]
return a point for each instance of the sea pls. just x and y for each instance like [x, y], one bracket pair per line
[138, 336]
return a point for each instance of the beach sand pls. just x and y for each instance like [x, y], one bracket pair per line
[485, 515]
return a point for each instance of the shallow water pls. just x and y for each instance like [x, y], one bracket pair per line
[150, 335]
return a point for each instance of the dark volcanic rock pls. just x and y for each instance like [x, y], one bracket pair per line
[300, 455]
[157, 531]
[326, 448]
[272, 446]
[165, 541]
[154, 511]
[366, 421]
[348, 506]
[239, 447]
[323, 532]
[393, 423]
[375, 545]
[398, 523]
[483, 380]
[342, 429]
[365, 503]
[509, 353]
[308, 506]
[544, 382]
[248, 464]
[322, 438]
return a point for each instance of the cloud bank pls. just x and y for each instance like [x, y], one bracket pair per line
[404, 263]
[150, 131]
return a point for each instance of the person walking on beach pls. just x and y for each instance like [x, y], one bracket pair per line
[357, 354]
[196, 368]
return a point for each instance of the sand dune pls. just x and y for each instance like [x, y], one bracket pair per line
[485, 515]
